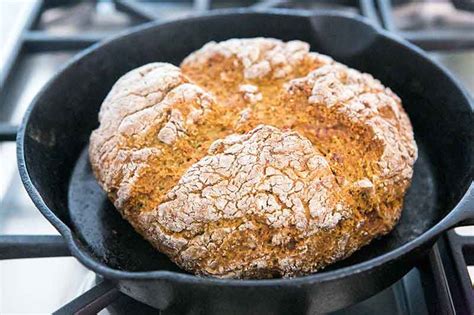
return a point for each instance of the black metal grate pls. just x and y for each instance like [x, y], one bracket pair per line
[429, 39]
[446, 283]
[7, 132]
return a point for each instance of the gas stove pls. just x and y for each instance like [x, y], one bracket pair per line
[37, 274]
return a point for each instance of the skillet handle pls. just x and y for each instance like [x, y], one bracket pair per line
[466, 208]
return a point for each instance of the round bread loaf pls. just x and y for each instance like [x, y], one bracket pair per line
[255, 159]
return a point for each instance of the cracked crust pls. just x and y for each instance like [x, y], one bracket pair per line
[258, 58]
[368, 114]
[144, 114]
[275, 187]
[255, 159]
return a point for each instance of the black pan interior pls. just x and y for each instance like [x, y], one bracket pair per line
[64, 115]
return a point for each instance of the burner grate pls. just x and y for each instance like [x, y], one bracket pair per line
[431, 39]
[458, 255]
[7, 132]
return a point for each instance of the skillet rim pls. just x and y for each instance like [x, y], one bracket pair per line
[92, 263]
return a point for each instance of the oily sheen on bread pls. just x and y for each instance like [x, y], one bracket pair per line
[256, 158]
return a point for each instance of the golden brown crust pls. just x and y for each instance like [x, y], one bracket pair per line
[256, 159]
[269, 180]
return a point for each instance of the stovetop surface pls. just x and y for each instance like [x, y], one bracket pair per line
[42, 285]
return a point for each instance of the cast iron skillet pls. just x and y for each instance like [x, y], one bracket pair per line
[54, 164]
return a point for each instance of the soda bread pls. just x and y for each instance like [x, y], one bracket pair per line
[255, 159]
